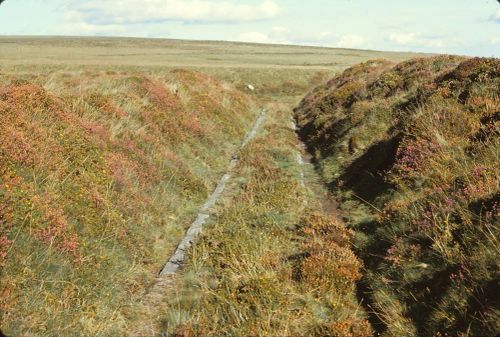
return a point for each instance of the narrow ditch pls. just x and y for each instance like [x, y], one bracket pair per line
[304, 157]
[330, 206]
[175, 261]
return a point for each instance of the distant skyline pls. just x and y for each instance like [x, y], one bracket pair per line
[467, 27]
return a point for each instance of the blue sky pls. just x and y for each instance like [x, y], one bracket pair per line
[469, 27]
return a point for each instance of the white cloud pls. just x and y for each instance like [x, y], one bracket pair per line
[279, 30]
[403, 38]
[419, 40]
[255, 37]
[83, 28]
[496, 17]
[99, 12]
[74, 24]
[351, 41]
[495, 41]
[277, 35]
[282, 35]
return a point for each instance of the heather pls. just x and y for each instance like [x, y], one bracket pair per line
[411, 152]
[109, 147]
[99, 175]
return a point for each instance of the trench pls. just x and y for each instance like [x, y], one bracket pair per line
[330, 206]
[175, 261]
[309, 178]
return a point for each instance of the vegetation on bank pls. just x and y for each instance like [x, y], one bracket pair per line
[105, 156]
[271, 263]
[99, 175]
[412, 152]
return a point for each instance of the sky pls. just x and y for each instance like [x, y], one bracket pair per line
[465, 27]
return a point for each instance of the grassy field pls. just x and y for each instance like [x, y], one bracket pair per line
[107, 149]
[65, 51]
[273, 69]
